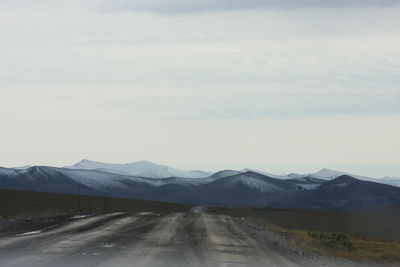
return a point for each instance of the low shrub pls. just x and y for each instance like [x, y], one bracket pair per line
[340, 239]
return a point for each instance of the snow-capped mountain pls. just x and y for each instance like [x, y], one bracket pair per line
[140, 168]
[230, 188]
[22, 167]
[326, 174]
[323, 174]
[225, 173]
[329, 174]
[255, 181]
[147, 169]
[62, 180]
[277, 176]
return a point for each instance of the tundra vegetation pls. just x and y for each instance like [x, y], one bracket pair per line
[15, 203]
[371, 236]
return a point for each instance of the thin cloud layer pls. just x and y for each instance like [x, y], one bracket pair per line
[172, 81]
[193, 6]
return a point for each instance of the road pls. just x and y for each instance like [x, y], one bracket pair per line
[192, 239]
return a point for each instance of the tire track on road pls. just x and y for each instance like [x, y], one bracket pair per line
[19, 242]
[229, 245]
[152, 240]
[111, 243]
[167, 244]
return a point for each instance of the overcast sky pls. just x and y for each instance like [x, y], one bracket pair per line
[281, 86]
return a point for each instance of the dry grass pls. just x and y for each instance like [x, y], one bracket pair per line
[384, 225]
[331, 240]
[25, 204]
[350, 247]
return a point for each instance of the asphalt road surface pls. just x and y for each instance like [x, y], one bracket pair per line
[193, 239]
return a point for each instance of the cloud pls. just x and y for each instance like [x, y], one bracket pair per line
[295, 82]
[193, 6]
[258, 105]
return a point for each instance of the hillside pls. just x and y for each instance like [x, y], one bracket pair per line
[27, 203]
[226, 188]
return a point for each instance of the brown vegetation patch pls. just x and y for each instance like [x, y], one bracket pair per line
[358, 236]
[26, 203]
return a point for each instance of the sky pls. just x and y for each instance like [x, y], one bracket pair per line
[279, 86]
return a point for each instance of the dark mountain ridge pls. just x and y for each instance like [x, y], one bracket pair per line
[227, 188]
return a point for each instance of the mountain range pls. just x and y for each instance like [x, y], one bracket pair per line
[146, 180]
[140, 168]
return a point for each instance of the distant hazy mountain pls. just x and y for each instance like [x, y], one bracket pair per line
[225, 173]
[326, 174]
[349, 192]
[390, 181]
[140, 168]
[277, 176]
[61, 180]
[226, 188]
[149, 169]
[22, 167]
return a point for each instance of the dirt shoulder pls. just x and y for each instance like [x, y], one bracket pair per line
[330, 242]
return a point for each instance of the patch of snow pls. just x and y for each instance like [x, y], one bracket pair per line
[256, 183]
[276, 176]
[101, 180]
[31, 233]
[328, 174]
[225, 173]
